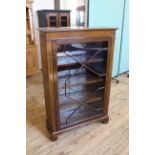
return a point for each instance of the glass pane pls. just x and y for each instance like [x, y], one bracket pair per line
[63, 17]
[52, 24]
[52, 18]
[63, 23]
[81, 81]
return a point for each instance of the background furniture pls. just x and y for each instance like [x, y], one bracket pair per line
[77, 68]
[31, 49]
[54, 18]
[114, 14]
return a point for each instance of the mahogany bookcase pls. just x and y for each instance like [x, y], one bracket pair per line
[77, 68]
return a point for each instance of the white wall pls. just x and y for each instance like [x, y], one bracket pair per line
[40, 5]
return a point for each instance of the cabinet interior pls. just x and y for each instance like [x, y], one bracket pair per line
[81, 77]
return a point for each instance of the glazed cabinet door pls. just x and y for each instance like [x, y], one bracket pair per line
[80, 70]
[64, 19]
[52, 20]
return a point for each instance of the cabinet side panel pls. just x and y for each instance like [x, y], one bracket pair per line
[42, 20]
[45, 77]
[109, 74]
[52, 94]
[45, 73]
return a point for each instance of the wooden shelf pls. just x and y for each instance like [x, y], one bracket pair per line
[87, 97]
[28, 32]
[79, 79]
[92, 106]
[31, 46]
[64, 62]
[76, 48]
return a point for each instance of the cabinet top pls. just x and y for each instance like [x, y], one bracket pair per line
[49, 11]
[64, 29]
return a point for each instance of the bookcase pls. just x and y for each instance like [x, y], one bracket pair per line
[77, 66]
[31, 48]
[54, 18]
